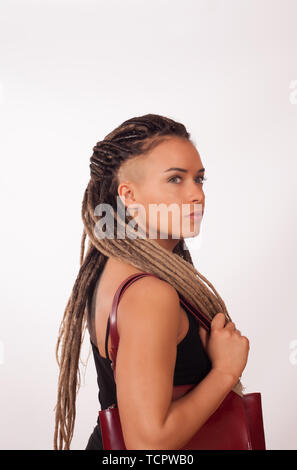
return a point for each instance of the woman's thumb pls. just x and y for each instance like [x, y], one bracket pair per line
[218, 321]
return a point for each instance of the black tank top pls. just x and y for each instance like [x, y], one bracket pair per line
[192, 362]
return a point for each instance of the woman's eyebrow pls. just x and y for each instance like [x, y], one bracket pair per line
[184, 170]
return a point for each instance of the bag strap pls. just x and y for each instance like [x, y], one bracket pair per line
[114, 336]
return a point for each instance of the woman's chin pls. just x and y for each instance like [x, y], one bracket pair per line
[191, 233]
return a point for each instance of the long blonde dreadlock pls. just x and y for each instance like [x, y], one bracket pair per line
[133, 137]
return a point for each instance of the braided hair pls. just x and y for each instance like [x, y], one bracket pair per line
[134, 137]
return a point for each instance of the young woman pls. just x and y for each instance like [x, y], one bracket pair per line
[147, 161]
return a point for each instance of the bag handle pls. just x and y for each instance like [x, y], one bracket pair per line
[114, 336]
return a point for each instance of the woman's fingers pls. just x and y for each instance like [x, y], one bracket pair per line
[218, 320]
[231, 326]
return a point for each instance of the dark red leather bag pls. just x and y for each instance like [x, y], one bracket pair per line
[237, 424]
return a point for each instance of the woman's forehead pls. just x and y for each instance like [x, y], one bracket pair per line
[172, 152]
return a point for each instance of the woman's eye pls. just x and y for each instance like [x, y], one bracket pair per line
[172, 178]
[201, 178]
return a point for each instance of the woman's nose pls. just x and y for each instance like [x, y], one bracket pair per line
[197, 198]
[197, 195]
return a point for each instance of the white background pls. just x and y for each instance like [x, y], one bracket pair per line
[70, 72]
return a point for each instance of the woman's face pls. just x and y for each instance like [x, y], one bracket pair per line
[165, 195]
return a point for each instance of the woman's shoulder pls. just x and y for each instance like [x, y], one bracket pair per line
[117, 271]
[147, 294]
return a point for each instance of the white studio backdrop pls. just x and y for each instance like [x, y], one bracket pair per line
[70, 72]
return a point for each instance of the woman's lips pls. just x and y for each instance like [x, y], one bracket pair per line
[196, 215]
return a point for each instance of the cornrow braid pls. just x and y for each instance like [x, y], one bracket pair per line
[133, 137]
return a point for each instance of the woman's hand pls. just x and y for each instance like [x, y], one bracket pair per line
[225, 346]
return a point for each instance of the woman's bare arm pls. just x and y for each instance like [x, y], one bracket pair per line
[148, 325]
[190, 412]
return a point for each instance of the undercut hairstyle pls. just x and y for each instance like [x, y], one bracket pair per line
[134, 137]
